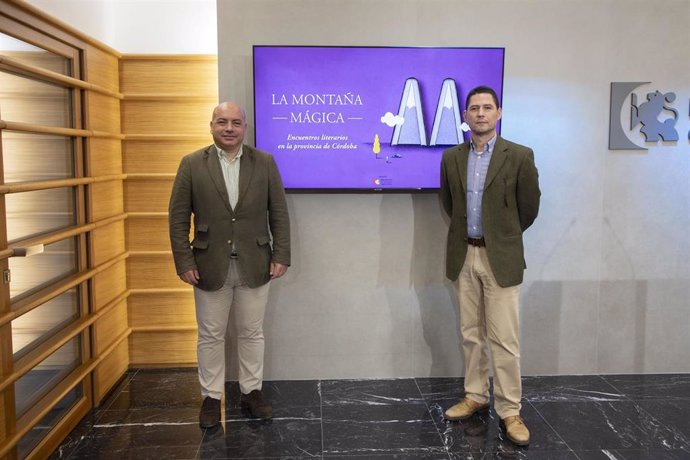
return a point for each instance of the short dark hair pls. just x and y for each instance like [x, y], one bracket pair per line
[482, 90]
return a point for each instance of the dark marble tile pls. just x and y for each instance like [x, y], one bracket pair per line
[133, 434]
[675, 414]
[117, 389]
[72, 440]
[607, 425]
[601, 454]
[159, 388]
[419, 456]
[482, 433]
[155, 416]
[290, 398]
[263, 439]
[461, 456]
[527, 454]
[656, 454]
[446, 391]
[350, 429]
[441, 387]
[657, 386]
[138, 452]
[571, 388]
[373, 392]
[635, 454]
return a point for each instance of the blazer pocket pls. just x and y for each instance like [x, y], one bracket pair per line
[200, 240]
[262, 240]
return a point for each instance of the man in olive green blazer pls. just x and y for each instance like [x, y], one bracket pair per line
[509, 206]
[490, 191]
[241, 241]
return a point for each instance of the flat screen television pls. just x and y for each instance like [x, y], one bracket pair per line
[342, 118]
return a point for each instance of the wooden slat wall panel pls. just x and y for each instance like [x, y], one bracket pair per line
[147, 195]
[175, 348]
[166, 111]
[107, 199]
[110, 370]
[164, 310]
[105, 157]
[147, 233]
[141, 117]
[108, 242]
[152, 272]
[108, 284]
[110, 326]
[103, 69]
[184, 75]
[159, 156]
[104, 113]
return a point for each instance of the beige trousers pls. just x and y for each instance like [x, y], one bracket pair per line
[212, 315]
[489, 318]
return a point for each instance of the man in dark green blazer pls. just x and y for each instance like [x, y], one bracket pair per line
[490, 191]
[241, 241]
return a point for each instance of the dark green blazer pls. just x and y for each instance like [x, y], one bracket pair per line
[200, 190]
[510, 204]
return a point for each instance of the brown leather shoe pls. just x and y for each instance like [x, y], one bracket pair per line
[516, 430]
[209, 416]
[258, 406]
[464, 409]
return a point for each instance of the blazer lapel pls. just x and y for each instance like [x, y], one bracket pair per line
[498, 157]
[246, 171]
[461, 163]
[216, 173]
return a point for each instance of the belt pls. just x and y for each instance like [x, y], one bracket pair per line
[478, 242]
[233, 255]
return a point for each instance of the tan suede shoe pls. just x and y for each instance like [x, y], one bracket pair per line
[464, 409]
[516, 430]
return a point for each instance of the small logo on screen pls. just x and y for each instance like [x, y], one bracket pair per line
[383, 181]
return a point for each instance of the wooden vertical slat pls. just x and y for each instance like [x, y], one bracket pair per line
[166, 109]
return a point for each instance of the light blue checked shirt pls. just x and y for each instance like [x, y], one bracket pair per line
[477, 166]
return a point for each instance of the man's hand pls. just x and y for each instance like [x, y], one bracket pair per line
[190, 277]
[277, 270]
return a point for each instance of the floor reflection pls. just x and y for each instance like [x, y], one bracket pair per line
[154, 414]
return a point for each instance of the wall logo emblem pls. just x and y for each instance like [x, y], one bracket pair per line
[654, 118]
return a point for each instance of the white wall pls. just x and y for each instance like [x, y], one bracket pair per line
[608, 277]
[142, 26]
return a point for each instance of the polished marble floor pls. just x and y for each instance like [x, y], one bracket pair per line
[154, 414]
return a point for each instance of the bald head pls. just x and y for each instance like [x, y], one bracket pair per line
[228, 124]
[228, 105]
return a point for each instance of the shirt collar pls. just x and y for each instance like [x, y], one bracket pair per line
[489, 145]
[223, 155]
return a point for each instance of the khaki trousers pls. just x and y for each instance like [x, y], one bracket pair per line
[212, 315]
[489, 318]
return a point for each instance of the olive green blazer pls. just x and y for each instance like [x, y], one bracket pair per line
[510, 204]
[261, 213]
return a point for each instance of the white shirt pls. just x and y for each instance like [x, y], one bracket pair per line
[231, 174]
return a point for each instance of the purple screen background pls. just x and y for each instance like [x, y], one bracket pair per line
[374, 78]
